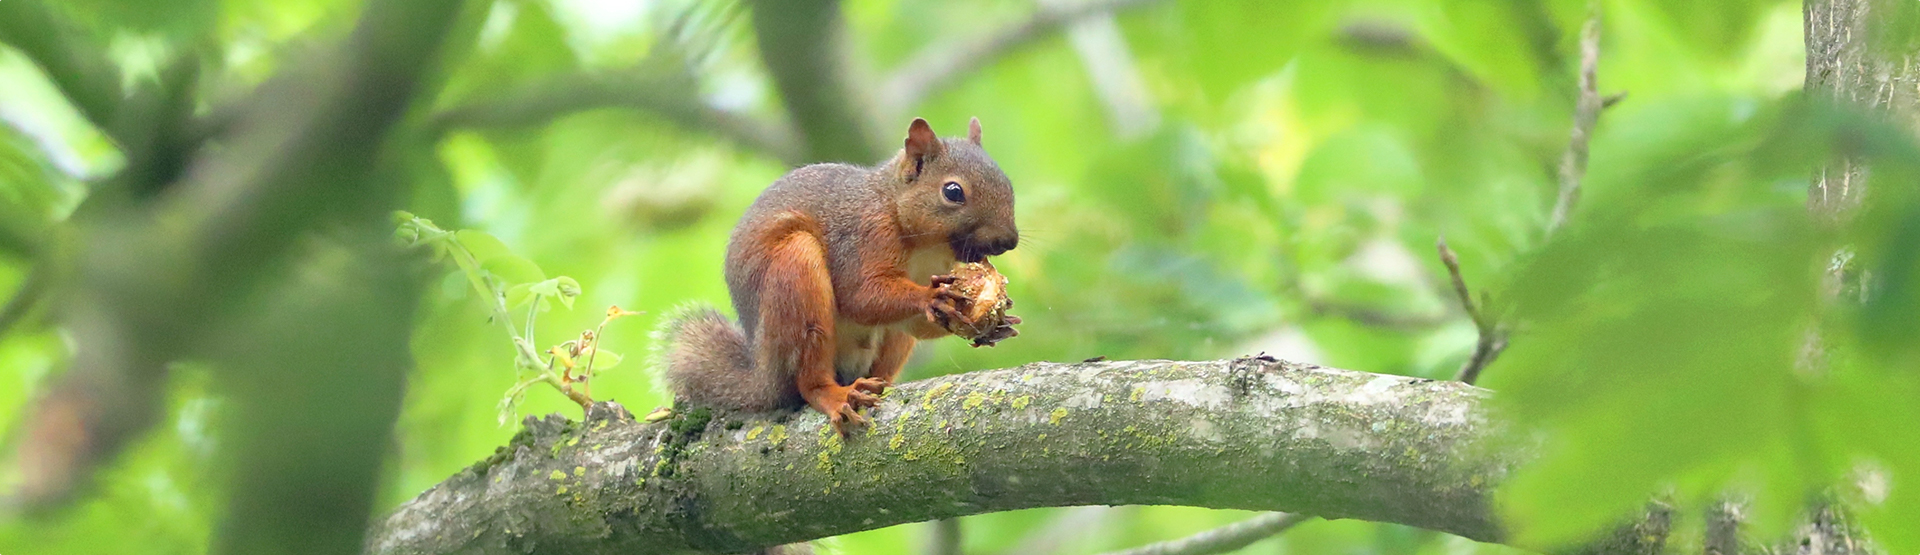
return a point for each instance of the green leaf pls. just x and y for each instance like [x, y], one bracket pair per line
[604, 359]
[518, 295]
[513, 269]
[568, 289]
[482, 245]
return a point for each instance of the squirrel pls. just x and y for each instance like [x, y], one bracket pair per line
[836, 271]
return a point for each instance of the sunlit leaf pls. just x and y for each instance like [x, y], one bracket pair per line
[513, 269]
[484, 246]
[604, 359]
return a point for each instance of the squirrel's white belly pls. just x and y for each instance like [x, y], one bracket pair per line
[854, 349]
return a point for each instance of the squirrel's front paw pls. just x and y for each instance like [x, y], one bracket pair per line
[945, 308]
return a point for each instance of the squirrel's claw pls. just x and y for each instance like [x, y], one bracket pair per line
[871, 385]
[845, 419]
[942, 313]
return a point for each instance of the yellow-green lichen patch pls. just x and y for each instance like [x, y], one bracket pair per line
[1139, 391]
[935, 394]
[561, 491]
[779, 434]
[826, 462]
[574, 441]
[896, 442]
[579, 471]
[1021, 401]
[974, 400]
[910, 456]
[558, 475]
[1058, 413]
[754, 433]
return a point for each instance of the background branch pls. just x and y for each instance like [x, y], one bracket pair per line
[947, 538]
[153, 277]
[802, 45]
[77, 67]
[944, 61]
[675, 100]
[1242, 434]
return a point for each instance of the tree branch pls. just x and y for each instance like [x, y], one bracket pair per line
[1223, 539]
[154, 278]
[1241, 434]
[940, 63]
[675, 100]
[802, 45]
[78, 68]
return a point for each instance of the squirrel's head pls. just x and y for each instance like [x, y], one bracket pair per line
[950, 189]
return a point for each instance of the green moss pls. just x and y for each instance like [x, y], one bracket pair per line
[686, 427]
[691, 421]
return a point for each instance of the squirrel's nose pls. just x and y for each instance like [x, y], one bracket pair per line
[1003, 245]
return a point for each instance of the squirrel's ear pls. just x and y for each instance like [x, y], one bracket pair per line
[973, 131]
[922, 145]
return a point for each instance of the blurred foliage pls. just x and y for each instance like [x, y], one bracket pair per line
[1307, 156]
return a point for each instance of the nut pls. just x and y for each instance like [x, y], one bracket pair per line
[986, 304]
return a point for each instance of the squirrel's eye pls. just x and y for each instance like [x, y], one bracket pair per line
[954, 193]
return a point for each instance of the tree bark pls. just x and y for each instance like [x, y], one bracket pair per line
[1845, 66]
[1238, 434]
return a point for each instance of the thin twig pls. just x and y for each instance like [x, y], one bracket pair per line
[1223, 539]
[1573, 167]
[944, 61]
[1573, 163]
[1492, 338]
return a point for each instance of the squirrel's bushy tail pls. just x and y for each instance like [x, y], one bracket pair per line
[704, 358]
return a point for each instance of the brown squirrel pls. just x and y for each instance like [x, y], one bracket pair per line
[836, 271]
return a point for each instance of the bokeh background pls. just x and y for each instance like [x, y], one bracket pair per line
[1195, 179]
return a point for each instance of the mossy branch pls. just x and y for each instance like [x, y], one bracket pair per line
[1239, 434]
